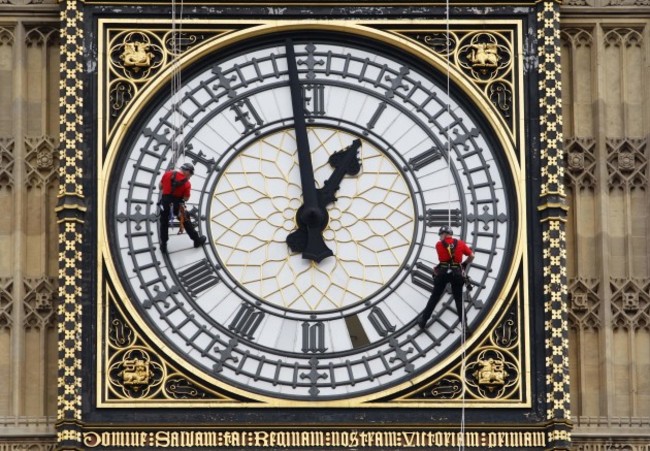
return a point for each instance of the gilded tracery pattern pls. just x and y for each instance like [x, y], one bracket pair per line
[491, 368]
[486, 58]
[137, 56]
[136, 371]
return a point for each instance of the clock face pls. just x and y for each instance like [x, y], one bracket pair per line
[248, 311]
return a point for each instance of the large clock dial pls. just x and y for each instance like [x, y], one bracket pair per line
[251, 310]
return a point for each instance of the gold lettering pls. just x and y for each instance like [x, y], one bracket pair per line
[430, 436]
[354, 439]
[492, 439]
[313, 438]
[106, 439]
[449, 439]
[262, 438]
[363, 438]
[187, 439]
[317, 438]
[409, 438]
[117, 439]
[528, 439]
[162, 439]
[472, 439]
[345, 439]
[91, 439]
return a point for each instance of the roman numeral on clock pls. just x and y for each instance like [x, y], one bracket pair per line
[375, 117]
[314, 97]
[422, 276]
[243, 111]
[198, 277]
[313, 337]
[427, 157]
[246, 321]
[379, 321]
[436, 217]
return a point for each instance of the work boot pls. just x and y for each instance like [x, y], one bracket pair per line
[422, 322]
[200, 241]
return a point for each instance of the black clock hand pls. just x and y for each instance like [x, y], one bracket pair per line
[311, 217]
[345, 162]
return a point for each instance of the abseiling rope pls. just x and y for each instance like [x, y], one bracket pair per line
[178, 144]
[461, 314]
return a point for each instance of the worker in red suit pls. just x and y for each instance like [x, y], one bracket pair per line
[450, 270]
[176, 188]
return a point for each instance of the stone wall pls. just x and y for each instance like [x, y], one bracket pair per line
[606, 106]
[29, 129]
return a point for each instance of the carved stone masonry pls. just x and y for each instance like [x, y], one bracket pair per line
[630, 303]
[584, 306]
[6, 36]
[41, 161]
[6, 163]
[627, 37]
[42, 36]
[39, 303]
[580, 163]
[576, 37]
[627, 163]
[6, 302]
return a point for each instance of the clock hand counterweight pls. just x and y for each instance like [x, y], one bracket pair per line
[311, 217]
[345, 162]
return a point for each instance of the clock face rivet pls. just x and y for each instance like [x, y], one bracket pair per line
[391, 157]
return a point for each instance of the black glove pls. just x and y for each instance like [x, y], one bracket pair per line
[464, 266]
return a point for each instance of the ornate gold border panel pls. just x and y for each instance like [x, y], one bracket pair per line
[70, 211]
[487, 59]
[496, 368]
[553, 209]
[136, 372]
[136, 57]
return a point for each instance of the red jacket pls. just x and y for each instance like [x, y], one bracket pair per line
[443, 250]
[182, 190]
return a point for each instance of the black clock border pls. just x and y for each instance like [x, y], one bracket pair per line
[328, 416]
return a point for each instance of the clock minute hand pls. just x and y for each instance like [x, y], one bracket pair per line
[311, 217]
[345, 162]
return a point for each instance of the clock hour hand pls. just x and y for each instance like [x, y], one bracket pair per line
[345, 162]
[311, 217]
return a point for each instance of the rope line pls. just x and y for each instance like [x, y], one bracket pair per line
[461, 313]
[178, 144]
